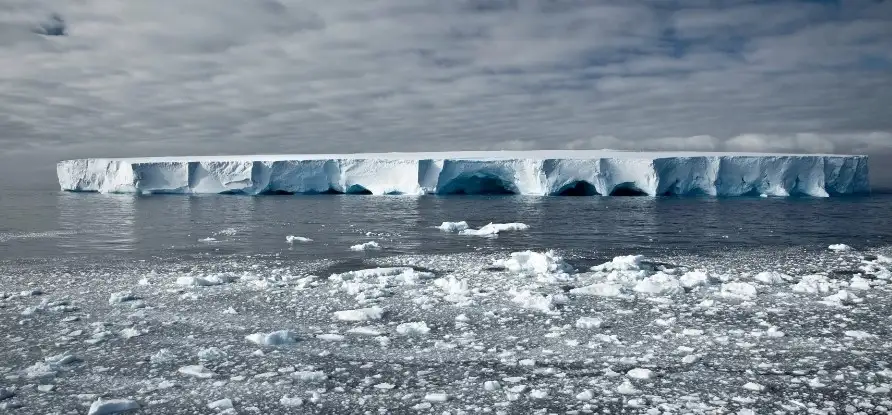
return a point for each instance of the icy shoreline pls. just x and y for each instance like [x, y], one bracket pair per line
[539, 173]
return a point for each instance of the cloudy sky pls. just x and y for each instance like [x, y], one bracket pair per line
[83, 78]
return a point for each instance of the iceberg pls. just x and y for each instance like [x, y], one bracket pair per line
[541, 173]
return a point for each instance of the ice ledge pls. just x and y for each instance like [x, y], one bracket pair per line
[520, 172]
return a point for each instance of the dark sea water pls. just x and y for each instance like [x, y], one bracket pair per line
[54, 224]
[735, 306]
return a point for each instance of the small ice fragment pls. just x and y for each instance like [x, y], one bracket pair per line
[839, 247]
[627, 388]
[413, 328]
[436, 397]
[640, 373]
[367, 246]
[622, 263]
[494, 229]
[538, 394]
[211, 353]
[112, 406]
[331, 337]
[742, 290]
[491, 385]
[121, 297]
[692, 332]
[162, 356]
[384, 386]
[293, 239]
[272, 339]
[858, 334]
[310, 375]
[361, 314]
[60, 359]
[453, 226]
[46, 388]
[690, 359]
[588, 323]
[364, 331]
[755, 387]
[221, 405]
[602, 289]
[585, 395]
[291, 401]
[197, 371]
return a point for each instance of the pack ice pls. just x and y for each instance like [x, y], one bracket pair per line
[562, 172]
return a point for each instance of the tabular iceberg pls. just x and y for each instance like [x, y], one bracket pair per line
[561, 172]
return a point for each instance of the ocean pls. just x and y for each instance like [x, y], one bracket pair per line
[197, 304]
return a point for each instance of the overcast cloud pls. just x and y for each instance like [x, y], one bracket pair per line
[177, 77]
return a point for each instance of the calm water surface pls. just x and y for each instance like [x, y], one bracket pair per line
[56, 224]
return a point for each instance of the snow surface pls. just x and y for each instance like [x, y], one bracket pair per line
[591, 172]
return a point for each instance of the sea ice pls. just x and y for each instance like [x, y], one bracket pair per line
[366, 246]
[111, 406]
[295, 239]
[273, 339]
[361, 314]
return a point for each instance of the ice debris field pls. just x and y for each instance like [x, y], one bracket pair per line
[585, 173]
[540, 332]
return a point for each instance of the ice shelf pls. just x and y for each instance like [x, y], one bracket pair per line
[563, 172]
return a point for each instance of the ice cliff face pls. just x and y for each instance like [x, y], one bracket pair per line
[525, 173]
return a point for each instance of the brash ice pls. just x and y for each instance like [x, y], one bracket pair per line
[563, 172]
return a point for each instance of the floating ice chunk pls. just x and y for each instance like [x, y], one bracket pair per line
[640, 373]
[585, 395]
[455, 289]
[536, 263]
[493, 229]
[60, 359]
[364, 331]
[689, 359]
[755, 387]
[453, 226]
[491, 385]
[839, 247]
[659, 284]
[588, 323]
[41, 370]
[858, 334]
[310, 376]
[537, 301]
[858, 283]
[292, 402]
[210, 354]
[331, 337]
[627, 388]
[622, 263]
[272, 339]
[384, 386]
[6, 393]
[772, 277]
[694, 278]
[602, 289]
[360, 314]
[692, 332]
[130, 333]
[221, 405]
[296, 239]
[208, 240]
[436, 397]
[741, 290]
[413, 328]
[197, 371]
[812, 284]
[112, 406]
[841, 298]
[367, 246]
[538, 394]
[162, 356]
[121, 297]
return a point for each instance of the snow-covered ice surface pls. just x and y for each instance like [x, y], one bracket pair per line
[768, 331]
[573, 172]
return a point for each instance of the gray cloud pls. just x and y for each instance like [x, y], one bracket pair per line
[232, 76]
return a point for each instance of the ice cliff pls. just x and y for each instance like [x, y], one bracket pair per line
[517, 172]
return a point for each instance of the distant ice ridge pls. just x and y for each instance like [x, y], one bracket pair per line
[586, 173]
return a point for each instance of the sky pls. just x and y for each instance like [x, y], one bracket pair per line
[109, 78]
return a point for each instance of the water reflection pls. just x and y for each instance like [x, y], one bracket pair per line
[103, 222]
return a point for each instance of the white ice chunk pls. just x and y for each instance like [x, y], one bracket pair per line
[536, 263]
[741, 290]
[771, 277]
[839, 247]
[494, 229]
[640, 373]
[622, 263]
[112, 406]
[659, 284]
[295, 239]
[275, 338]
[588, 323]
[360, 314]
[453, 226]
[366, 246]
[413, 328]
[197, 371]
[602, 289]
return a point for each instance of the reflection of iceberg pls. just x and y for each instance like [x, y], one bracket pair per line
[113, 229]
[585, 173]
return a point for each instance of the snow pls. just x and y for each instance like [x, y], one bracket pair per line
[519, 172]
[111, 406]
